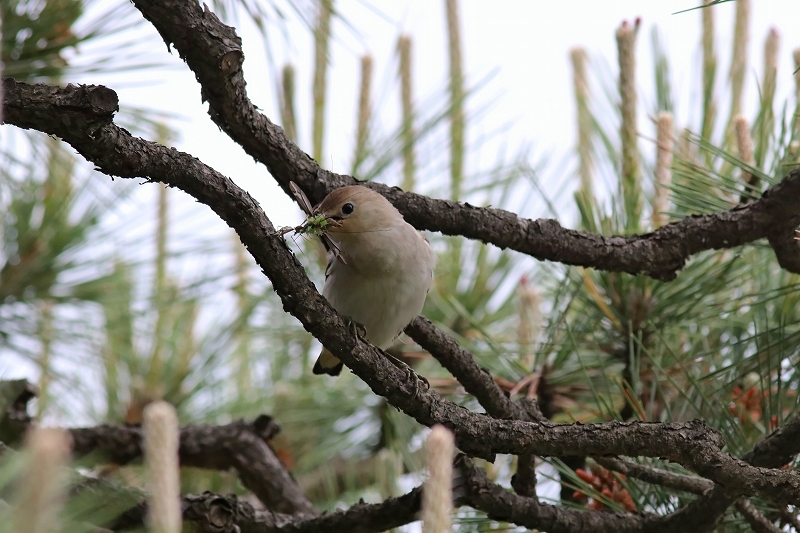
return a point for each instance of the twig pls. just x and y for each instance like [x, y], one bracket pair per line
[755, 518]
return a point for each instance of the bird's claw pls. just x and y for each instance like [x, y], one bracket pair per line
[411, 374]
[417, 379]
[358, 330]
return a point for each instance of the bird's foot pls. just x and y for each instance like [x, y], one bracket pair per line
[411, 374]
[358, 330]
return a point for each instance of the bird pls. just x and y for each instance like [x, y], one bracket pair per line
[380, 268]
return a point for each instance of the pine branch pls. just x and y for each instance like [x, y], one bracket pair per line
[500, 504]
[72, 113]
[212, 513]
[477, 381]
[241, 446]
[756, 518]
[221, 514]
[656, 476]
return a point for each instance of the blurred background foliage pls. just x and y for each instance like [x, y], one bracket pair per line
[720, 342]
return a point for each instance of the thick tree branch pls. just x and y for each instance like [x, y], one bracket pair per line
[214, 53]
[779, 448]
[212, 513]
[477, 381]
[771, 452]
[500, 504]
[241, 446]
[116, 152]
[656, 476]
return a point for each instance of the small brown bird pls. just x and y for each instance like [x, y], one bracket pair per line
[381, 271]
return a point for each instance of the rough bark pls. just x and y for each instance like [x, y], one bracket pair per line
[500, 504]
[241, 446]
[657, 476]
[212, 513]
[477, 381]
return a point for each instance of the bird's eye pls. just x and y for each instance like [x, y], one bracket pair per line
[348, 208]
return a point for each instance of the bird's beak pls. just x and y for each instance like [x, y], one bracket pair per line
[318, 224]
[333, 221]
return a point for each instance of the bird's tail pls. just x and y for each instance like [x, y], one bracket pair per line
[327, 363]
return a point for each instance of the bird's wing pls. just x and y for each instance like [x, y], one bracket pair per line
[332, 248]
[331, 262]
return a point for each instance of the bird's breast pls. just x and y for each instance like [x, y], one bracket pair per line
[383, 283]
[398, 251]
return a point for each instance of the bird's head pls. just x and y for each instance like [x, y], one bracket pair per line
[357, 209]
